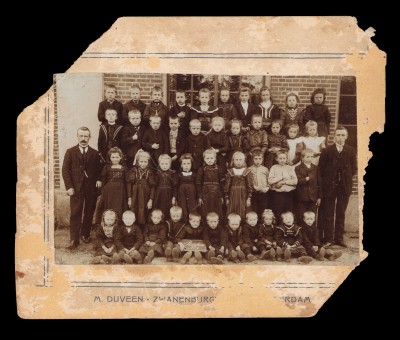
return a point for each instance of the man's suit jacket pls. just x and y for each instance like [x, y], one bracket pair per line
[73, 168]
[308, 190]
[329, 165]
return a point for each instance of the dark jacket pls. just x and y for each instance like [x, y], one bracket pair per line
[266, 232]
[245, 118]
[217, 140]
[310, 235]
[308, 190]
[104, 105]
[189, 233]
[196, 145]
[184, 122]
[156, 110]
[103, 240]
[250, 234]
[73, 168]
[130, 105]
[331, 163]
[159, 136]
[215, 237]
[180, 143]
[155, 232]
[107, 141]
[173, 229]
[234, 238]
[125, 239]
[129, 146]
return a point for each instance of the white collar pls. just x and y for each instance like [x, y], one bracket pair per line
[185, 174]
[267, 104]
[111, 123]
[238, 172]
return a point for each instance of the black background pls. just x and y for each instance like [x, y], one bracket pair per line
[48, 44]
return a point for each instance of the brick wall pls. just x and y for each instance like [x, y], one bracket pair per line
[304, 86]
[123, 82]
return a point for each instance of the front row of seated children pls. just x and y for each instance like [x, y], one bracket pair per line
[236, 242]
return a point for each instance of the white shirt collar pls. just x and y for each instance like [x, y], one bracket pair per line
[339, 147]
[81, 148]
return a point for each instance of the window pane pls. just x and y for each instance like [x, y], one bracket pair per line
[203, 81]
[253, 82]
[348, 85]
[230, 82]
[183, 81]
[348, 110]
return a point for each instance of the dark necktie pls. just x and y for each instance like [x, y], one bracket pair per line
[84, 153]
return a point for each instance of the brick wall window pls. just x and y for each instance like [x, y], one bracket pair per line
[348, 108]
[192, 83]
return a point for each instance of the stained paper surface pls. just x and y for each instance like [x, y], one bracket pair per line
[49, 286]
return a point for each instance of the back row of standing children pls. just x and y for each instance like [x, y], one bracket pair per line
[131, 128]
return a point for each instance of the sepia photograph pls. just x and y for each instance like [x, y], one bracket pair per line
[205, 169]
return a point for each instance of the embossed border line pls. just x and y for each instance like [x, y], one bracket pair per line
[142, 284]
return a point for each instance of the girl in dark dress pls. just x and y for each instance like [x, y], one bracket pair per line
[319, 112]
[187, 198]
[238, 186]
[141, 183]
[166, 185]
[113, 177]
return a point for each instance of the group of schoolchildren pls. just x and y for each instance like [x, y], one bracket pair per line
[242, 178]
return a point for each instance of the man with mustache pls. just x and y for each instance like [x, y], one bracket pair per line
[81, 172]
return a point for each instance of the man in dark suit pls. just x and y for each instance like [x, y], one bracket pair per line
[81, 172]
[337, 165]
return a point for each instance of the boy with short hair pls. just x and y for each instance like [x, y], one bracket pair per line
[235, 243]
[191, 231]
[226, 109]
[250, 243]
[134, 104]
[176, 142]
[156, 108]
[196, 143]
[132, 135]
[289, 238]
[259, 199]
[181, 110]
[215, 239]
[128, 240]
[174, 227]
[110, 134]
[245, 109]
[155, 141]
[256, 137]
[311, 239]
[204, 112]
[308, 190]
[218, 141]
[110, 103]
